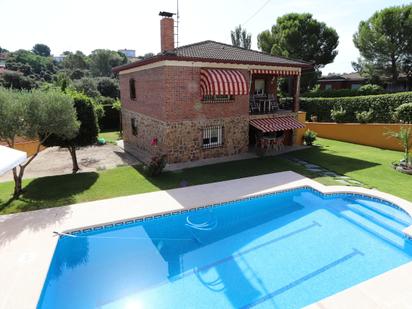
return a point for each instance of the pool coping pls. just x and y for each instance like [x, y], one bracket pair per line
[28, 242]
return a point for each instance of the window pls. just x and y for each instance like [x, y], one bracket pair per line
[134, 126]
[259, 86]
[328, 87]
[355, 86]
[132, 89]
[212, 136]
[218, 98]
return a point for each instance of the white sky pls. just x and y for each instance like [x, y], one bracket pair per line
[134, 24]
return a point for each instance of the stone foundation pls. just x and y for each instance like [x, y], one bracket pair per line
[182, 141]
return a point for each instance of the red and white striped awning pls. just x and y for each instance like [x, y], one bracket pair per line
[222, 82]
[276, 124]
[275, 72]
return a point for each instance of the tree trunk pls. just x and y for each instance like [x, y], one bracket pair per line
[18, 180]
[72, 151]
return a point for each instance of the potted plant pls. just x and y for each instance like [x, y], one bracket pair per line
[309, 137]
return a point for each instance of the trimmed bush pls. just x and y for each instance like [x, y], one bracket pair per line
[382, 106]
[404, 113]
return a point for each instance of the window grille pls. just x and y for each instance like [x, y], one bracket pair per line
[212, 137]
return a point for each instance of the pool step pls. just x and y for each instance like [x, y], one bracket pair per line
[386, 210]
[374, 228]
[378, 218]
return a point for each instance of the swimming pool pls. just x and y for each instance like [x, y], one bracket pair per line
[283, 250]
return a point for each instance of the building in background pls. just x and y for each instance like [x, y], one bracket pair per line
[342, 81]
[129, 53]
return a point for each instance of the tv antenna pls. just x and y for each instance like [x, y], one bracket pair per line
[177, 23]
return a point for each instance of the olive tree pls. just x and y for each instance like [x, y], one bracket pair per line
[34, 115]
[88, 130]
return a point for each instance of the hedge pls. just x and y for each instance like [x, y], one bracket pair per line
[367, 89]
[383, 106]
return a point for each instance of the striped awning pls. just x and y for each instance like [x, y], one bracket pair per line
[222, 82]
[275, 72]
[276, 124]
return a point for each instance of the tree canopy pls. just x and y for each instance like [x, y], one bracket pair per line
[88, 130]
[241, 38]
[41, 50]
[385, 42]
[35, 115]
[301, 36]
[103, 60]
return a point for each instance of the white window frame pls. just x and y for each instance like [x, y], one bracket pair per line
[210, 133]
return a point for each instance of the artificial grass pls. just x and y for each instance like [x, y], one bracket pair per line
[53, 191]
[369, 165]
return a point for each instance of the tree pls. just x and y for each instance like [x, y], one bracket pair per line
[88, 86]
[16, 80]
[301, 36]
[241, 38]
[385, 41]
[108, 87]
[30, 64]
[34, 115]
[103, 60]
[41, 50]
[73, 61]
[87, 133]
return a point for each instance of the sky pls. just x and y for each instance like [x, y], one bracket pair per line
[134, 24]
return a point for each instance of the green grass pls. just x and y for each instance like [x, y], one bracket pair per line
[56, 191]
[369, 165]
[110, 136]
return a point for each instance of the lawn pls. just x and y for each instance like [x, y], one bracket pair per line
[110, 136]
[55, 191]
[368, 165]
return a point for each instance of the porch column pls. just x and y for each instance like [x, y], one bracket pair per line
[296, 93]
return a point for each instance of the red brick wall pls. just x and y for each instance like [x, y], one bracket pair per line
[150, 92]
[173, 94]
[183, 99]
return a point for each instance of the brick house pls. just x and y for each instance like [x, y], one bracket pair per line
[204, 100]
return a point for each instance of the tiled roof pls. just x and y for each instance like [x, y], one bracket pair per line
[345, 76]
[220, 51]
[217, 52]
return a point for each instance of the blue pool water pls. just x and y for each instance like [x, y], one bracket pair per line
[285, 250]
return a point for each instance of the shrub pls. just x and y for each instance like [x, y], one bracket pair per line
[156, 165]
[383, 106]
[370, 89]
[309, 137]
[365, 116]
[338, 115]
[404, 113]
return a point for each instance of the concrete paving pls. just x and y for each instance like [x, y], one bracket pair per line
[57, 161]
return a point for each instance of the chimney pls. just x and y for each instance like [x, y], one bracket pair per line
[167, 36]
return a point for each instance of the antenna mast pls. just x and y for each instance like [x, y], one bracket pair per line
[177, 23]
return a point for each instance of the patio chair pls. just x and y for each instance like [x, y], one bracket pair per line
[253, 106]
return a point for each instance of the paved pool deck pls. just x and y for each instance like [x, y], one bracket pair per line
[27, 241]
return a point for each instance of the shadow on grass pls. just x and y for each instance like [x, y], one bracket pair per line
[326, 158]
[223, 171]
[46, 192]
